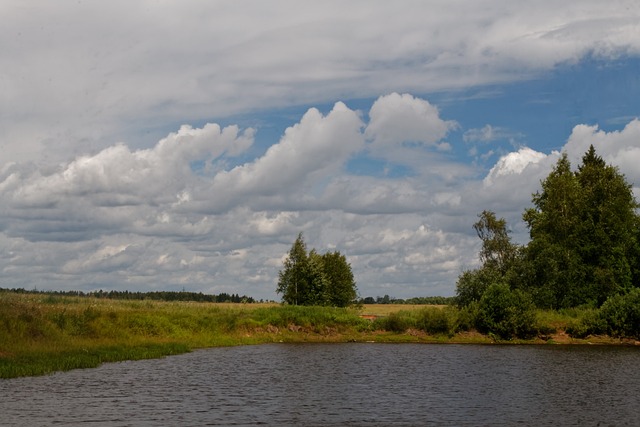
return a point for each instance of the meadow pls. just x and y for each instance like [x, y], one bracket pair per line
[40, 333]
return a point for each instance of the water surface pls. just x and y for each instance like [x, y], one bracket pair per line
[341, 384]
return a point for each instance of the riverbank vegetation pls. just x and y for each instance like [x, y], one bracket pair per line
[41, 333]
[578, 280]
[584, 253]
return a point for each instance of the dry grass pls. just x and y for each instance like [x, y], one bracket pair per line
[386, 309]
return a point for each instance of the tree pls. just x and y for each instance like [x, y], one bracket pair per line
[318, 291]
[497, 254]
[506, 313]
[584, 235]
[497, 250]
[292, 279]
[608, 238]
[472, 284]
[554, 228]
[314, 279]
[341, 286]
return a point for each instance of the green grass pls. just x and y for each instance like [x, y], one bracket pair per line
[40, 334]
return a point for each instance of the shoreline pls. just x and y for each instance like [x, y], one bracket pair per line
[37, 364]
[40, 335]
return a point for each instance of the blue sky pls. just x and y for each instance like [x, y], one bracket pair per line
[163, 145]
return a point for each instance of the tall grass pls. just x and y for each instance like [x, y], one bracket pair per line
[40, 334]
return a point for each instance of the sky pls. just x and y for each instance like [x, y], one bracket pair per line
[163, 145]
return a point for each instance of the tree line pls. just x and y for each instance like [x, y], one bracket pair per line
[155, 295]
[435, 300]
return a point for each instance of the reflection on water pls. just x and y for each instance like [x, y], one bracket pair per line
[341, 384]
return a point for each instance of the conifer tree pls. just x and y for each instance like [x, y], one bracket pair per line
[584, 230]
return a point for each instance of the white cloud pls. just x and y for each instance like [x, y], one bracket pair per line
[193, 208]
[316, 147]
[204, 207]
[148, 219]
[617, 147]
[76, 76]
[513, 164]
[489, 133]
[396, 119]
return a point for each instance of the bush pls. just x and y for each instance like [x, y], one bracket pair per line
[506, 313]
[395, 322]
[467, 317]
[437, 321]
[621, 315]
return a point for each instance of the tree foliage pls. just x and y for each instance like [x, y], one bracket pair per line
[506, 313]
[618, 317]
[497, 254]
[584, 248]
[293, 281]
[341, 289]
[583, 229]
[309, 278]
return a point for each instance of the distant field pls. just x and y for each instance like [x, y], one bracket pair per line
[386, 309]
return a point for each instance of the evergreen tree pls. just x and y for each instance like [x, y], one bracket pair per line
[584, 230]
[554, 228]
[607, 236]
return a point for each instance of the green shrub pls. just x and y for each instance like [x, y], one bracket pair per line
[621, 314]
[506, 313]
[395, 322]
[618, 317]
[437, 321]
[467, 317]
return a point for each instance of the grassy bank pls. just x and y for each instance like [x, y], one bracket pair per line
[40, 334]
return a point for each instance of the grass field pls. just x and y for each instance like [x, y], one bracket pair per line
[386, 309]
[41, 333]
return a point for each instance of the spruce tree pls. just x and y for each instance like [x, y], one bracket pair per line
[584, 230]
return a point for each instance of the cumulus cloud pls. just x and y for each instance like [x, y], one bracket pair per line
[308, 152]
[177, 214]
[206, 208]
[396, 119]
[513, 164]
[617, 147]
[157, 217]
[114, 188]
[405, 130]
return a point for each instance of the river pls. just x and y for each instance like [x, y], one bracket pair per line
[341, 385]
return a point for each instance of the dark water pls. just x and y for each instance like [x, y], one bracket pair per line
[341, 385]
